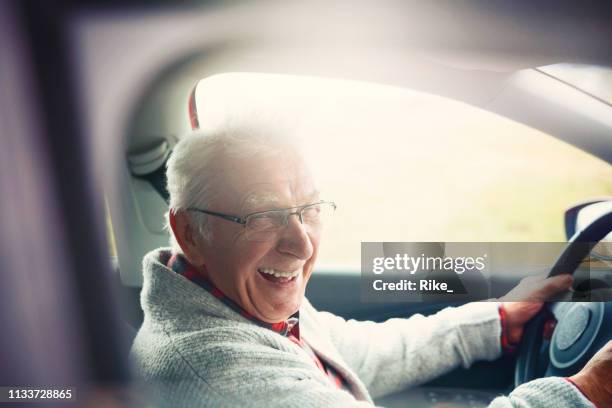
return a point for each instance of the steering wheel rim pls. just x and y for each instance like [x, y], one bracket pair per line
[578, 247]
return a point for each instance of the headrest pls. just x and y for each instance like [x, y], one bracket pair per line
[150, 158]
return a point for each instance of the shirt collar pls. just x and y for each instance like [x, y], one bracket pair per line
[179, 264]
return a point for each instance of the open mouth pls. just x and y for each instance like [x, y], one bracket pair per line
[277, 276]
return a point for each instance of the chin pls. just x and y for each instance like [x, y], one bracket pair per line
[285, 310]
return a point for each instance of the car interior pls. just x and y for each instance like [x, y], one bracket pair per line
[336, 289]
[445, 122]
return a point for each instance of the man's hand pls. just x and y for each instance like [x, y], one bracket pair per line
[527, 298]
[595, 379]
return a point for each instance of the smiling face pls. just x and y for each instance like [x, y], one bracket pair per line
[245, 270]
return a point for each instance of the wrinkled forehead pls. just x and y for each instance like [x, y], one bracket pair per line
[265, 182]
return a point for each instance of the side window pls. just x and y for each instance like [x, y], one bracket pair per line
[411, 167]
[403, 165]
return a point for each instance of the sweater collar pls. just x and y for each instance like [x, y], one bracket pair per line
[179, 264]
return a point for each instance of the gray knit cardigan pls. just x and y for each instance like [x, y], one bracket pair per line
[194, 351]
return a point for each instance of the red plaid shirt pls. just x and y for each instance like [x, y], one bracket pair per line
[289, 328]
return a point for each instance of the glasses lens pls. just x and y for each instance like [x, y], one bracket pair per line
[317, 215]
[264, 226]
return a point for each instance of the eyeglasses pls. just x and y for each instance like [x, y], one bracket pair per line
[264, 225]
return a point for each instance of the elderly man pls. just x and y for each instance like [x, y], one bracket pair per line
[226, 321]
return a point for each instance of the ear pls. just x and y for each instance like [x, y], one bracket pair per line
[186, 236]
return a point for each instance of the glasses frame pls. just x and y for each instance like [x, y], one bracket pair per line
[244, 220]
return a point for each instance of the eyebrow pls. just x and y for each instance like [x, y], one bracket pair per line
[255, 200]
[312, 196]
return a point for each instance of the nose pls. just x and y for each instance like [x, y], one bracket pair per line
[294, 239]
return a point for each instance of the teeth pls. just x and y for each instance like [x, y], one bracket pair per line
[279, 274]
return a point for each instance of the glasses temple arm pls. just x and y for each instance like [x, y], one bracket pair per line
[228, 217]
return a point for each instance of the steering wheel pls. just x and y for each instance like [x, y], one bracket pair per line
[582, 327]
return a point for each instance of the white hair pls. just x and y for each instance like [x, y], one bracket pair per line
[192, 169]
